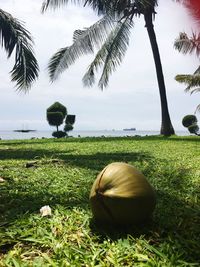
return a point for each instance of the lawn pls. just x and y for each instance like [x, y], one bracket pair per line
[60, 173]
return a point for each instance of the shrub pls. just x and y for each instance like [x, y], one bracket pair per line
[59, 134]
[55, 118]
[58, 107]
[56, 114]
[68, 127]
[189, 120]
[194, 128]
[70, 119]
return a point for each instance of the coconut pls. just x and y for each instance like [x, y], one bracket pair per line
[121, 195]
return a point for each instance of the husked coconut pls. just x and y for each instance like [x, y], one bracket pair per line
[121, 195]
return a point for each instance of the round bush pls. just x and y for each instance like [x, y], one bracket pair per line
[59, 134]
[121, 195]
[70, 119]
[58, 107]
[68, 127]
[55, 118]
[194, 128]
[189, 120]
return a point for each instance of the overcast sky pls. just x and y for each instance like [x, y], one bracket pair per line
[131, 99]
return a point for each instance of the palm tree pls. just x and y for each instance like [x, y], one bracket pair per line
[189, 45]
[111, 33]
[13, 36]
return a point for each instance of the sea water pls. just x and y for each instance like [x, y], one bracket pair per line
[11, 135]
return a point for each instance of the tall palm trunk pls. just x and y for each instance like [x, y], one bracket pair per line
[166, 125]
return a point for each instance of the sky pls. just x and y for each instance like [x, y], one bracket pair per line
[132, 97]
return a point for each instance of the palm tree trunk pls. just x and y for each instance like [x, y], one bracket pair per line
[166, 125]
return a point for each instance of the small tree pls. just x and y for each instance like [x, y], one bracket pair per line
[190, 122]
[69, 121]
[56, 114]
[55, 118]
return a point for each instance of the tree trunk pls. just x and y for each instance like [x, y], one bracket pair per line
[57, 127]
[166, 125]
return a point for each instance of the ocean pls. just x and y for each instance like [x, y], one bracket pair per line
[11, 135]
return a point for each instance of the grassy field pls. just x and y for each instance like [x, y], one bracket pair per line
[60, 173]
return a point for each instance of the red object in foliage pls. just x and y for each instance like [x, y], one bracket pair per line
[194, 8]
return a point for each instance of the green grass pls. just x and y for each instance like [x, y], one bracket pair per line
[70, 237]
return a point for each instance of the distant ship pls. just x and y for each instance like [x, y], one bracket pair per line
[24, 131]
[129, 129]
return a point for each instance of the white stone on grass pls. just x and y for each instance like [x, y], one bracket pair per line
[45, 211]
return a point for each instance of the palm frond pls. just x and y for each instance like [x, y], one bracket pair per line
[183, 78]
[197, 109]
[25, 70]
[53, 4]
[89, 77]
[187, 44]
[14, 36]
[84, 42]
[121, 8]
[192, 81]
[110, 55]
[116, 49]
[197, 71]
[96, 33]
[196, 90]
[98, 5]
